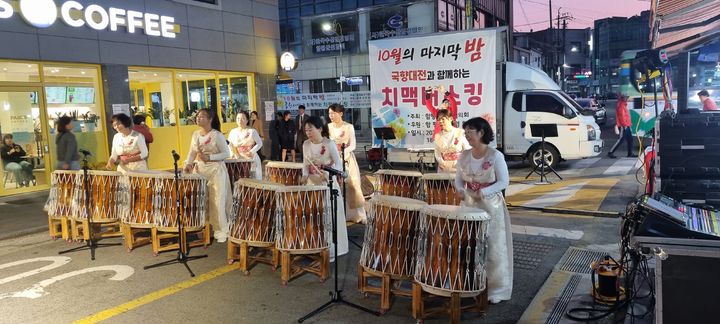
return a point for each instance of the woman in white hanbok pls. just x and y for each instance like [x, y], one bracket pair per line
[129, 150]
[449, 143]
[208, 149]
[481, 176]
[245, 142]
[344, 133]
[319, 151]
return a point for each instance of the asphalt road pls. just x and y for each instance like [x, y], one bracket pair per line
[116, 288]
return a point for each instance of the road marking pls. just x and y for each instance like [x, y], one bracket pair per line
[579, 166]
[621, 167]
[546, 231]
[556, 196]
[153, 296]
[516, 188]
[57, 261]
[122, 272]
[591, 195]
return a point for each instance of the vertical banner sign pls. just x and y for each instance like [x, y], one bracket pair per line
[402, 69]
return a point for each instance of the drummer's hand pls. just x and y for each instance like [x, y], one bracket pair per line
[110, 165]
[188, 167]
[460, 195]
[66, 166]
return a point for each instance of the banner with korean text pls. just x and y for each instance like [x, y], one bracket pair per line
[401, 69]
[321, 101]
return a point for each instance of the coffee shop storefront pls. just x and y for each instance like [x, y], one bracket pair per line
[165, 61]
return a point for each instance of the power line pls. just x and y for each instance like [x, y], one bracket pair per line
[523, 11]
[534, 23]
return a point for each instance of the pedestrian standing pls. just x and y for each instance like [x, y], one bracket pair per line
[67, 154]
[300, 137]
[274, 137]
[286, 132]
[622, 128]
[708, 103]
[142, 128]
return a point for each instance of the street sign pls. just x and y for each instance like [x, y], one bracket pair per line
[354, 81]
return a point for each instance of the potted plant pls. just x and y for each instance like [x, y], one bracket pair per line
[166, 116]
[91, 121]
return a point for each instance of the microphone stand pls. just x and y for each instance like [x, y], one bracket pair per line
[90, 243]
[335, 295]
[182, 256]
[344, 189]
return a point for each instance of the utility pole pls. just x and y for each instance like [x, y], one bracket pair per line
[550, 11]
[556, 42]
[562, 75]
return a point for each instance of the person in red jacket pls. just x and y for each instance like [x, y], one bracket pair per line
[708, 103]
[142, 128]
[622, 128]
[448, 103]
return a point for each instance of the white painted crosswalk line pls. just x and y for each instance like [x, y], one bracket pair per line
[556, 197]
[621, 167]
[546, 231]
[517, 187]
[579, 166]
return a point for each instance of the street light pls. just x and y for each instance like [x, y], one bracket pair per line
[288, 62]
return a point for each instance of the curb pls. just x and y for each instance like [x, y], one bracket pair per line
[594, 213]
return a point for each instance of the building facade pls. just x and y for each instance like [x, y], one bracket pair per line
[527, 56]
[165, 59]
[611, 37]
[565, 55]
[324, 56]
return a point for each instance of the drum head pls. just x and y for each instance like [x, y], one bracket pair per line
[456, 212]
[399, 202]
[103, 173]
[439, 176]
[258, 184]
[413, 174]
[301, 188]
[284, 165]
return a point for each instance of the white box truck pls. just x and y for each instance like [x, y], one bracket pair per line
[473, 65]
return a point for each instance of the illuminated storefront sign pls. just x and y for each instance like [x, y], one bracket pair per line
[44, 13]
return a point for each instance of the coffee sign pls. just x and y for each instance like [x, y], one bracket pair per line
[44, 13]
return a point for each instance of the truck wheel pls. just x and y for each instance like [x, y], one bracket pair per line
[552, 157]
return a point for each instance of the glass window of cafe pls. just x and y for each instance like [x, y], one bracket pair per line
[73, 91]
[33, 96]
[170, 100]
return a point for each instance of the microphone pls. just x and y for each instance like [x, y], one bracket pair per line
[334, 171]
[86, 152]
[175, 155]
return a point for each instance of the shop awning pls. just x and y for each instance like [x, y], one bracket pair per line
[683, 25]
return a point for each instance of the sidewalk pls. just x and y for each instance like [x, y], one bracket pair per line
[23, 214]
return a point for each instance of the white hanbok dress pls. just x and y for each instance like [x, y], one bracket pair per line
[219, 188]
[448, 146]
[132, 144]
[482, 180]
[345, 134]
[326, 154]
[245, 143]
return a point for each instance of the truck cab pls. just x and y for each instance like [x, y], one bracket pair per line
[530, 97]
